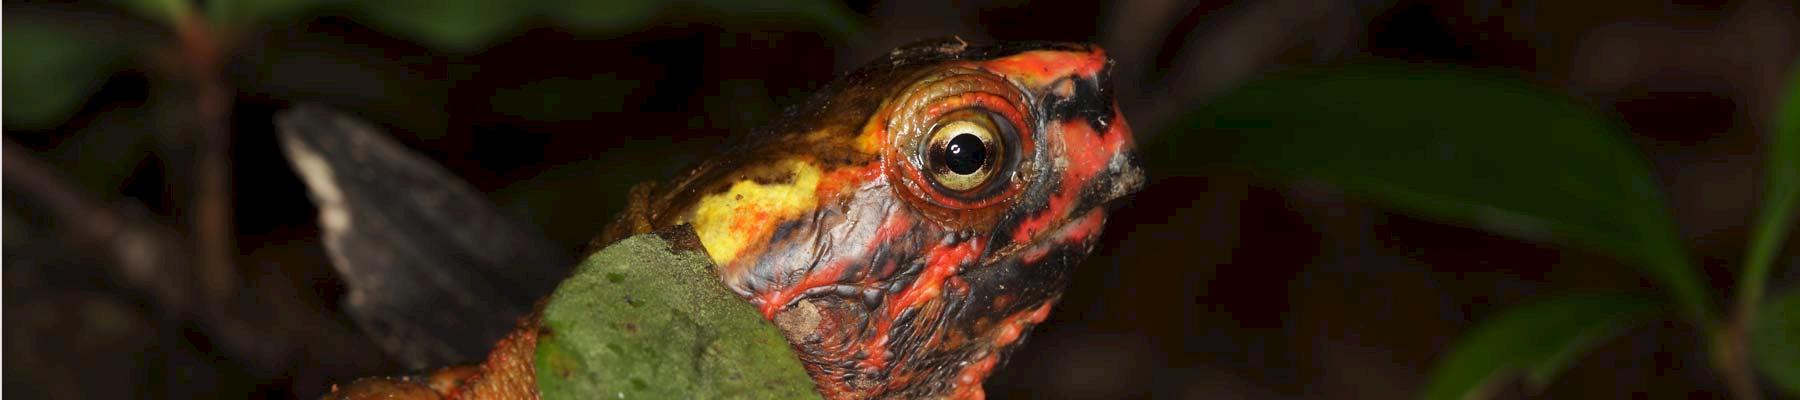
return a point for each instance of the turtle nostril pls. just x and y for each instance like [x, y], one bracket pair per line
[1127, 175]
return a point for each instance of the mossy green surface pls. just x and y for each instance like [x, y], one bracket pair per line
[640, 320]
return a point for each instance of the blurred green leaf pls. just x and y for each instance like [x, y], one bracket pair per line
[51, 69]
[471, 25]
[167, 11]
[455, 25]
[1780, 196]
[1784, 148]
[245, 11]
[1455, 146]
[1536, 340]
[1775, 341]
[1775, 333]
[640, 319]
[608, 16]
[568, 202]
[108, 147]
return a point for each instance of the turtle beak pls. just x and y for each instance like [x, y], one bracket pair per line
[1125, 171]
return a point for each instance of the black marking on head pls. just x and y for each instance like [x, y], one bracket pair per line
[1032, 203]
[1092, 101]
[882, 259]
[785, 231]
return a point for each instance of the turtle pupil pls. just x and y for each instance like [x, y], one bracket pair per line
[965, 154]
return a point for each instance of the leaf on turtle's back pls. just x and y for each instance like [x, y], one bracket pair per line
[647, 317]
[436, 274]
[1455, 146]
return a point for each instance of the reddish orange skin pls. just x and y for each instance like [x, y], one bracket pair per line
[509, 373]
[916, 290]
[890, 285]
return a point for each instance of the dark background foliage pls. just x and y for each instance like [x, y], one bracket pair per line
[1212, 282]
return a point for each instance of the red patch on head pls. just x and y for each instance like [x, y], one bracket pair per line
[1048, 65]
[1088, 154]
[943, 262]
[836, 181]
[968, 381]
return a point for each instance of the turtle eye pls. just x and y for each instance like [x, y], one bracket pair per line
[960, 142]
[965, 152]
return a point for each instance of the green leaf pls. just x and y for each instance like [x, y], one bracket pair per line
[1775, 341]
[456, 25]
[610, 16]
[567, 202]
[1780, 196]
[1537, 341]
[472, 25]
[246, 11]
[642, 320]
[167, 11]
[103, 153]
[51, 69]
[1455, 146]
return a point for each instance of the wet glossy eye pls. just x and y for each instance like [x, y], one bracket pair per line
[965, 152]
[959, 143]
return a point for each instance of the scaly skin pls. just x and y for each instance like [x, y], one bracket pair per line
[887, 280]
[887, 284]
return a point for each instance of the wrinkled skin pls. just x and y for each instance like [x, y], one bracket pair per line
[837, 221]
[888, 282]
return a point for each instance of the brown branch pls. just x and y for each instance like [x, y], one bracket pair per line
[140, 253]
[1731, 355]
[270, 333]
[196, 61]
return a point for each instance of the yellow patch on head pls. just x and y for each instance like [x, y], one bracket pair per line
[748, 213]
[869, 141]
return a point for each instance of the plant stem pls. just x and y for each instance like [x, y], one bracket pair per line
[197, 59]
[1731, 356]
[138, 252]
[1780, 197]
[1770, 234]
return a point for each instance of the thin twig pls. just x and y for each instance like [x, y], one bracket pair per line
[1731, 355]
[198, 57]
[138, 251]
[151, 261]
